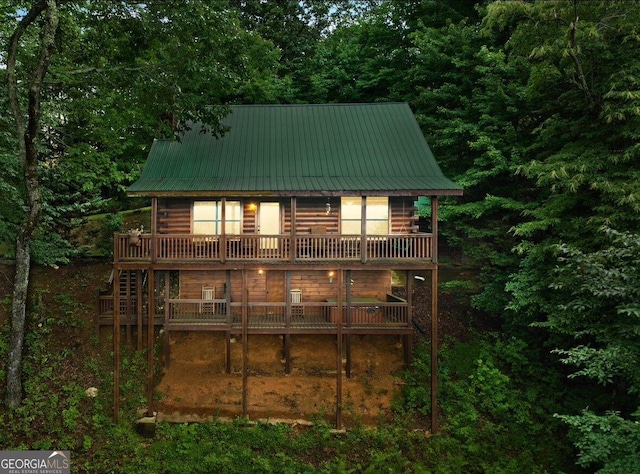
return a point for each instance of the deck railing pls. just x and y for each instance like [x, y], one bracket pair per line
[273, 248]
[277, 315]
[308, 316]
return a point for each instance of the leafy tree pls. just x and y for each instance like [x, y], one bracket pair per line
[27, 122]
[601, 313]
[580, 155]
[124, 74]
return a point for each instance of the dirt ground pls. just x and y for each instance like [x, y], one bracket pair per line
[309, 392]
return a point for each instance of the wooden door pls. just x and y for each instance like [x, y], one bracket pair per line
[269, 224]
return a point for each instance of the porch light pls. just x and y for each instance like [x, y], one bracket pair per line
[252, 206]
[260, 271]
[331, 275]
[328, 207]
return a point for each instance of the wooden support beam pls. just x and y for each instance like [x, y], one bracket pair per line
[245, 342]
[347, 350]
[116, 345]
[349, 315]
[223, 231]
[410, 283]
[434, 316]
[339, 352]
[286, 349]
[129, 306]
[434, 350]
[167, 312]
[434, 229]
[154, 230]
[227, 297]
[139, 308]
[294, 238]
[407, 345]
[363, 230]
[150, 333]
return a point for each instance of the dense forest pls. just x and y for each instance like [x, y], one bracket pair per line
[532, 106]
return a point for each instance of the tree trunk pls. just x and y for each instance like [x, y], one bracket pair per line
[27, 132]
[18, 313]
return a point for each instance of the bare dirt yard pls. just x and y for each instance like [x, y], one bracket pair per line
[195, 383]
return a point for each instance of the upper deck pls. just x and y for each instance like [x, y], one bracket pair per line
[273, 249]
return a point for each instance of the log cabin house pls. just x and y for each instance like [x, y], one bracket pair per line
[293, 222]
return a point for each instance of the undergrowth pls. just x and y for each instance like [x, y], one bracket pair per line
[492, 420]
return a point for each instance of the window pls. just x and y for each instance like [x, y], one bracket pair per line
[377, 215]
[207, 217]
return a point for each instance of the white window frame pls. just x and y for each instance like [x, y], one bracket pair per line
[377, 215]
[207, 218]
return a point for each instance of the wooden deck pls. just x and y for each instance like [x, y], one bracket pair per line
[265, 318]
[274, 249]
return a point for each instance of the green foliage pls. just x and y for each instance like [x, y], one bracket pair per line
[608, 440]
[600, 314]
[112, 223]
[486, 412]
[532, 106]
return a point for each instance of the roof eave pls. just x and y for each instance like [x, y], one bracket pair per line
[305, 193]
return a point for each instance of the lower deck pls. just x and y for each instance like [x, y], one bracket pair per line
[260, 302]
[371, 317]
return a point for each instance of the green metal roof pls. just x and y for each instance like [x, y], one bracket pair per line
[286, 150]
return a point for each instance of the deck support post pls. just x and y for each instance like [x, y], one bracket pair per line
[116, 345]
[286, 338]
[139, 308]
[150, 334]
[129, 306]
[339, 352]
[245, 342]
[407, 344]
[434, 316]
[434, 349]
[286, 349]
[227, 296]
[347, 350]
[227, 352]
[167, 313]
[407, 339]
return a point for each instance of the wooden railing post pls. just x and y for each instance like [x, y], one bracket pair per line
[293, 247]
[434, 229]
[363, 231]
[116, 247]
[154, 231]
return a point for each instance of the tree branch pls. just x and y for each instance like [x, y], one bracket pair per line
[12, 81]
[572, 52]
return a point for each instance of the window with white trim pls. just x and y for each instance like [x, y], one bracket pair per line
[377, 215]
[207, 217]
